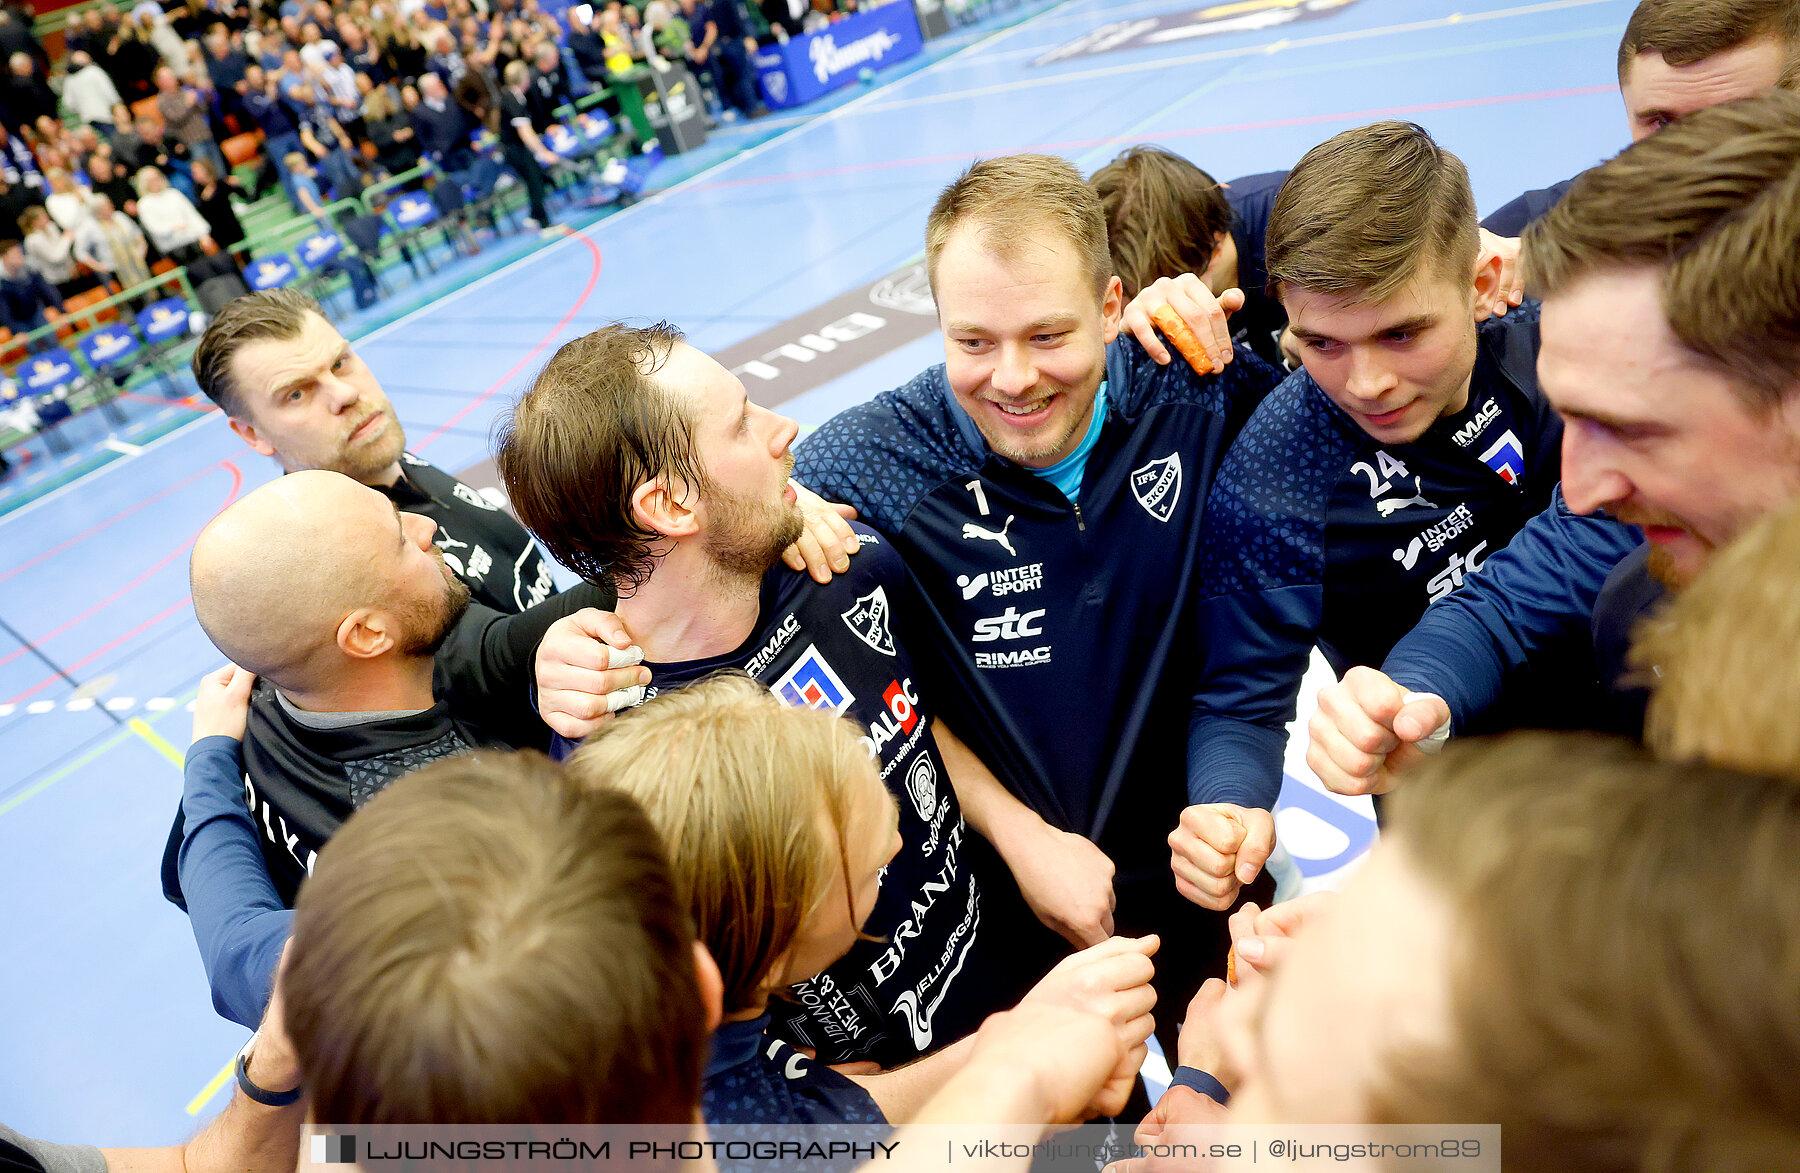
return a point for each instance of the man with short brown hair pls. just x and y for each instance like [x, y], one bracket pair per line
[1679, 56]
[1411, 445]
[451, 893]
[294, 389]
[1670, 350]
[1558, 935]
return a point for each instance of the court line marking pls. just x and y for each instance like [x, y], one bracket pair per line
[652, 201]
[212, 1087]
[142, 728]
[1262, 50]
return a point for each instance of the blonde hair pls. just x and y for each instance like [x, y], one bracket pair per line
[736, 782]
[1013, 200]
[1723, 658]
[1624, 968]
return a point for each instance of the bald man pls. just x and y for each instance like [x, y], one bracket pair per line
[372, 662]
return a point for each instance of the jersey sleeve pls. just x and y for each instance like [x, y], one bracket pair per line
[1529, 598]
[238, 919]
[885, 456]
[1262, 582]
[485, 667]
[1512, 218]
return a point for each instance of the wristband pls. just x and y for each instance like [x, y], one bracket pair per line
[248, 1086]
[1200, 1081]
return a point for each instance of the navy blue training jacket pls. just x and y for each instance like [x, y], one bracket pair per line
[1317, 533]
[1059, 641]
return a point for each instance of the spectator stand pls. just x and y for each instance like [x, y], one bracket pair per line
[89, 357]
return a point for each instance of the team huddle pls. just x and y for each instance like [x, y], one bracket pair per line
[920, 769]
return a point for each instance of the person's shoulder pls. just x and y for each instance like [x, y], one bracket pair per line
[885, 455]
[1136, 382]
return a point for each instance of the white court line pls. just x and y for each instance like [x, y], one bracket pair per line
[1262, 50]
[710, 175]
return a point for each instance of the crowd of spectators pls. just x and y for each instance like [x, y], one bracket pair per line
[332, 96]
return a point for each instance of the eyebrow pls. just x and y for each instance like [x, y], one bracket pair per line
[283, 388]
[1416, 322]
[1045, 323]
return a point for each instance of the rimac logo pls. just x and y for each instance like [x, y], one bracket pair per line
[1012, 625]
[333, 1150]
[868, 621]
[1471, 431]
[1026, 658]
[1157, 486]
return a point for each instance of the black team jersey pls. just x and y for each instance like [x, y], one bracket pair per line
[302, 782]
[842, 648]
[482, 544]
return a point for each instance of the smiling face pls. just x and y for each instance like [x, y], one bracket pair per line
[748, 510]
[1024, 342]
[1365, 985]
[1394, 366]
[1657, 93]
[1651, 433]
[310, 402]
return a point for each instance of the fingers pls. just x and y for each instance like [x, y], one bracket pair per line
[1137, 321]
[571, 727]
[1423, 717]
[1259, 842]
[1213, 825]
[1263, 954]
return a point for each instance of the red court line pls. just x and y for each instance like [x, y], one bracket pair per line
[237, 483]
[101, 651]
[1190, 132]
[587, 292]
[113, 520]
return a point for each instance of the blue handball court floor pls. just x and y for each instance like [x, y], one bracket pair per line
[789, 247]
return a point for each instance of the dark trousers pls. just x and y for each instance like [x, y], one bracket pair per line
[531, 172]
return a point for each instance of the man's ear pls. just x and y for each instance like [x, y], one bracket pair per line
[712, 986]
[665, 506]
[1112, 309]
[248, 434]
[366, 633]
[1487, 281]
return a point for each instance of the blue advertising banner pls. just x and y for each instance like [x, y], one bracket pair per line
[819, 62]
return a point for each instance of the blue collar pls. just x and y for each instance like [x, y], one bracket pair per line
[735, 1043]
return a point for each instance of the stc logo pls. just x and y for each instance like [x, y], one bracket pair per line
[1012, 625]
[1451, 576]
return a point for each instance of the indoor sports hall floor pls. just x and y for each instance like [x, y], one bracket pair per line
[107, 1034]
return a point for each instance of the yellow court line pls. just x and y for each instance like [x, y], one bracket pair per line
[211, 1089]
[142, 728]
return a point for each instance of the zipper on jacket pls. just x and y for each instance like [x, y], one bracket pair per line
[1079, 523]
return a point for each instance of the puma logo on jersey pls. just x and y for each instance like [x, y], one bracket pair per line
[971, 530]
[1394, 505]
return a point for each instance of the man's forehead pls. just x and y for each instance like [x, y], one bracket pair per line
[317, 343]
[1741, 71]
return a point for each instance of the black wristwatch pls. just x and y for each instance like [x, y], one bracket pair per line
[248, 1086]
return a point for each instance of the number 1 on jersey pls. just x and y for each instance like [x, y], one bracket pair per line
[980, 496]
